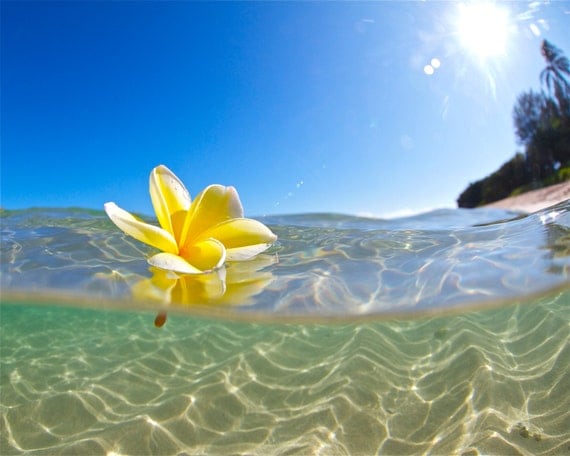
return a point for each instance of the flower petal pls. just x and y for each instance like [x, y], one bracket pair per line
[141, 231]
[243, 238]
[171, 262]
[170, 199]
[205, 255]
[213, 205]
[246, 253]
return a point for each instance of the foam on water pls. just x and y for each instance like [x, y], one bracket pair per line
[483, 379]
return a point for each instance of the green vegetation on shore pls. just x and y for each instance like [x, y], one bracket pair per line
[542, 126]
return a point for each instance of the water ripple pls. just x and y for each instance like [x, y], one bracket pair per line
[486, 382]
[323, 265]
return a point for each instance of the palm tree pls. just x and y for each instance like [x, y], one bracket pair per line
[530, 113]
[554, 77]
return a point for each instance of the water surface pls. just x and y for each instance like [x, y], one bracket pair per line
[445, 333]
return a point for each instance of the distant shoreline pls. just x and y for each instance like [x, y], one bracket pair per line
[535, 200]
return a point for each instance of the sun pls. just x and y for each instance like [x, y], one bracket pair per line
[483, 28]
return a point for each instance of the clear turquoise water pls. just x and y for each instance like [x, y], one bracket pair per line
[445, 333]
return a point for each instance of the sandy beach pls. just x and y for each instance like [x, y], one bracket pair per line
[535, 200]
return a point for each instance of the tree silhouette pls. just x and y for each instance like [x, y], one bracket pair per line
[554, 76]
[529, 115]
[542, 125]
[552, 138]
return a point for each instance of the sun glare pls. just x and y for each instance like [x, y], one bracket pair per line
[483, 28]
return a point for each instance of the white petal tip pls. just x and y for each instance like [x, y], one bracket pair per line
[174, 263]
[246, 253]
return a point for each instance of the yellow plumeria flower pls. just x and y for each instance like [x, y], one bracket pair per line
[194, 236]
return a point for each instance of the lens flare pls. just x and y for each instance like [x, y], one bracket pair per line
[483, 29]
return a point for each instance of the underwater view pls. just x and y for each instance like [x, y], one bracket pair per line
[442, 333]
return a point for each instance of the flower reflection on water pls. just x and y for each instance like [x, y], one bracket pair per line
[235, 284]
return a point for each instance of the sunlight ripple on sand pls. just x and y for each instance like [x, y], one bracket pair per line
[491, 382]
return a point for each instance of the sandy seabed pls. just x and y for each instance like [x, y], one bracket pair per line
[80, 381]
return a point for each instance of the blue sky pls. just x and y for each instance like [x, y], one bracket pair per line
[303, 107]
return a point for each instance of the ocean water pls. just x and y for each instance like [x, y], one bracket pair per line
[443, 333]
